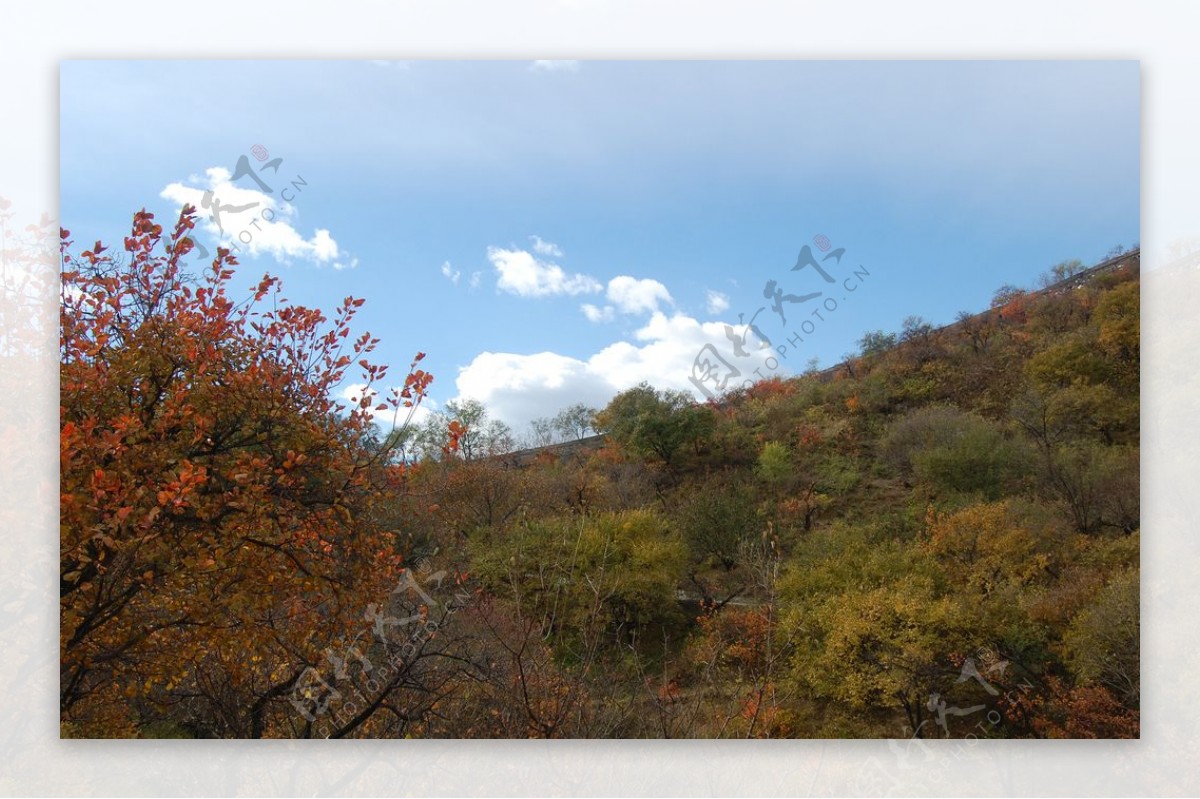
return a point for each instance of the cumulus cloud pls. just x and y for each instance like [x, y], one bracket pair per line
[671, 350]
[555, 66]
[475, 278]
[717, 302]
[523, 274]
[253, 221]
[542, 247]
[595, 314]
[632, 296]
[450, 273]
[519, 388]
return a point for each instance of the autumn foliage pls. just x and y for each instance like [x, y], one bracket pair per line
[941, 541]
[218, 507]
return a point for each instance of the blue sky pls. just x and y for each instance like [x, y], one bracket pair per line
[554, 232]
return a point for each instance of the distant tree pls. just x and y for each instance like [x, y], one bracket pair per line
[876, 342]
[498, 438]
[1011, 305]
[977, 329]
[477, 435]
[1061, 271]
[920, 343]
[655, 423]
[542, 432]
[472, 415]
[915, 328]
[399, 443]
[575, 422]
[1006, 294]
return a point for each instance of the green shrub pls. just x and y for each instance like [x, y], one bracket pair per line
[1102, 642]
[953, 450]
[587, 578]
[716, 519]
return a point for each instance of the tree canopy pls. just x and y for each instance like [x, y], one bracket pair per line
[655, 423]
[218, 509]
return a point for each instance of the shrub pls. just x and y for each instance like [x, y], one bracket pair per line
[953, 450]
[1102, 642]
[716, 519]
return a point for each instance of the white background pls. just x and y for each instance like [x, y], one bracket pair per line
[1162, 36]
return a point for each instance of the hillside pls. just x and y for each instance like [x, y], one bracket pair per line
[947, 521]
[937, 538]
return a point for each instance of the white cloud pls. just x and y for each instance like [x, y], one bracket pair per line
[595, 314]
[631, 295]
[717, 302]
[519, 388]
[555, 66]
[450, 273]
[475, 278]
[523, 274]
[542, 247]
[352, 393]
[252, 221]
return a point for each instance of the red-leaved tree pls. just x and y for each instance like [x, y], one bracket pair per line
[220, 512]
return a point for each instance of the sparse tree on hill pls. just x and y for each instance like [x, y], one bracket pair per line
[575, 422]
